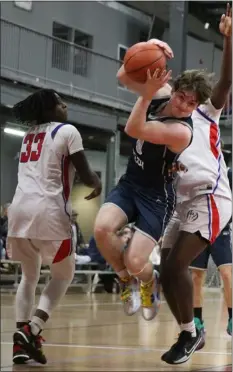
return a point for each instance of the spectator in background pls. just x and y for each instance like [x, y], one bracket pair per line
[4, 225]
[77, 237]
[79, 246]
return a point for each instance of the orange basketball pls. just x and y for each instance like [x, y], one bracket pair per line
[142, 57]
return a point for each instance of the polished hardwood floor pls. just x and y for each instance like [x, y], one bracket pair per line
[91, 333]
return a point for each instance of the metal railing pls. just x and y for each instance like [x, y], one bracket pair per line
[44, 61]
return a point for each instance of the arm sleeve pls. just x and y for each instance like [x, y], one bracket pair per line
[72, 138]
[210, 111]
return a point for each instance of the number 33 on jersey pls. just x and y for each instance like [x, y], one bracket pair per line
[32, 147]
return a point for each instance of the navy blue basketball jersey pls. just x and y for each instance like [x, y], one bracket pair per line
[150, 164]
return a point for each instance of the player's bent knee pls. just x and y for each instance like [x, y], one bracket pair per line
[64, 270]
[198, 277]
[100, 231]
[226, 273]
[134, 264]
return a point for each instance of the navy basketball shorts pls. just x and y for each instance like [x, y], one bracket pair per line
[220, 251]
[148, 210]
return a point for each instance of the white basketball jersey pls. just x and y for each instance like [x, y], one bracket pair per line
[41, 205]
[207, 171]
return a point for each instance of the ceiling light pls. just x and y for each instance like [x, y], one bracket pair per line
[15, 132]
[207, 25]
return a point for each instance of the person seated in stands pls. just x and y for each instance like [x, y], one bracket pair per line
[4, 229]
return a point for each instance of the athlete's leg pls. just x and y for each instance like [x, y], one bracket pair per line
[226, 275]
[110, 219]
[200, 221]
[62, 262]
[137, 257]
[152, 212]
[118, 210]
[170, 237]
[198, 277]
[221, 252]
[113, 215]
[198, 269]
[137, 263]
[23, 251]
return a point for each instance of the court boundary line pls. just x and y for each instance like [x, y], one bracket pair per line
[83, 304]
[117, 347]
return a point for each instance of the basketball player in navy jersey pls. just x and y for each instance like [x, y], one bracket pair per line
[145, 193]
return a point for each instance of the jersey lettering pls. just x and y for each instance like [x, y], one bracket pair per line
[138, 161]
[139, 145]
[29, 140]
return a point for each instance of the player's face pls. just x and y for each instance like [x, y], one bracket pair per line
[60, 110]
[183, 103]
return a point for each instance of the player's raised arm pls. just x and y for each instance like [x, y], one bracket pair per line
[138, 88]
[222, 88]
[175, 136]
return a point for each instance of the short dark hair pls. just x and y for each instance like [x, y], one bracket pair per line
[197, 81]
[36, 106]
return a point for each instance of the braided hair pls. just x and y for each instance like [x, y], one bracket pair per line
[37, 107]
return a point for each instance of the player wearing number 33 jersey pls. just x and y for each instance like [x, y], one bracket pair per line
[45, 179]
[39, 216]
[51, 152]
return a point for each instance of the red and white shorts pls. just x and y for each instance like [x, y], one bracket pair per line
[51, 252]
[207, 214]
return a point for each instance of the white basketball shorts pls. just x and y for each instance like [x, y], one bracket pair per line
[206, 214]
[51, 252]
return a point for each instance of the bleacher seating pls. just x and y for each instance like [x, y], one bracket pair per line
[89, 270]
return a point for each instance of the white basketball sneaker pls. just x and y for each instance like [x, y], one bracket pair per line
[150, 297]
[130, 296]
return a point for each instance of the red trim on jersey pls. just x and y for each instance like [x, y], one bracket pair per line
[64, 251]
[214, 139]
[65, 178]
[215, 222]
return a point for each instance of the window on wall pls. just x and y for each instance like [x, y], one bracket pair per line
[143, 36]
[81, 57]
[68, 57]
[61, 50]
[26, 5]
[122, 49]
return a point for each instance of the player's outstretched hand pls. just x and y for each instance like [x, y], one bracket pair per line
[96, 192]
[155, 82]
[225, 25]
[166, 48]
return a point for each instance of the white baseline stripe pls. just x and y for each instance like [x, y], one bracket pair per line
[122, 348]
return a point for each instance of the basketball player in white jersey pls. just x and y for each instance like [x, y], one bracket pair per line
[39, 216]
[203, 201]
[204, 204]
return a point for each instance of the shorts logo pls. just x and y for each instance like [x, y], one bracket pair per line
[192, 216]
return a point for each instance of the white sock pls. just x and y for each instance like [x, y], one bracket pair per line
[25, 298]
[36, 325]
[189, 327]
